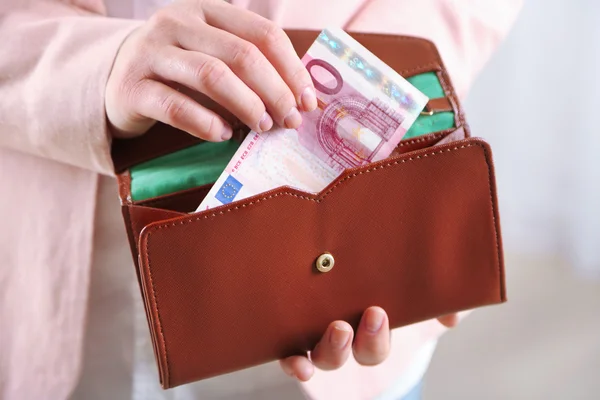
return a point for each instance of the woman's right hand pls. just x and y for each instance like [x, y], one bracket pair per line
[240, 60]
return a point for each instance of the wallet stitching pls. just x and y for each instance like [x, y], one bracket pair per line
[427, 66]
[425, 138]
[320, 198]
[347, 178]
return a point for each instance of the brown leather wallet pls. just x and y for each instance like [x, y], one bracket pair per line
[417, 234]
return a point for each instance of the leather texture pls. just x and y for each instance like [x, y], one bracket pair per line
[417, 234]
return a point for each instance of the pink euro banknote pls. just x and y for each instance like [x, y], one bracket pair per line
[364, 110]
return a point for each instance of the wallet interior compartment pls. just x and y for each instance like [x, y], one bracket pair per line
[187, 200]
[184, 201]
[189, 165]
[417, 234]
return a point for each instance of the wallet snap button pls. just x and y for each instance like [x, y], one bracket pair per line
[325, 262]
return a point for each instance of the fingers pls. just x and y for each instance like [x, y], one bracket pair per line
[212, 77]
[334, 348]
[298, 367]
[449, 321]
[271, 41]
[162, 103]
[372, 344]
[250, 65]
[240, 60]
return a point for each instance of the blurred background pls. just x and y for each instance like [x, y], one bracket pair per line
[537, 102]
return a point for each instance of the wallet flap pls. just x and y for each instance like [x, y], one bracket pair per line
[407, 55]
[236, 286]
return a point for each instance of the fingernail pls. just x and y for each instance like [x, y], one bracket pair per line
[266, 122]
[374, 320]
[308, 100]
[227, 133]
[305, 373]
[293, 119]
[338, 337]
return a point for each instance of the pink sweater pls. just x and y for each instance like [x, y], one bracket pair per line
[55, 58]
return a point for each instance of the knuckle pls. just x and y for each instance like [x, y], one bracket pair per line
[256, 110]
[210, 73]
[132, 66]
[246, 56]
[213, 129]
[285, 101]
[301, 75]
[162, 19]
[133, 90]
[173, 109]
[271, 35]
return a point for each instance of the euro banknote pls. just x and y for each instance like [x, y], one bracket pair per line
[364, 110]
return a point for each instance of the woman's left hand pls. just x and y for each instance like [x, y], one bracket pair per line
[370, 347]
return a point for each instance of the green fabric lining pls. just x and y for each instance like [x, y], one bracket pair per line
[203, 163]
[426, 124]
[429, 84]
[184, 169]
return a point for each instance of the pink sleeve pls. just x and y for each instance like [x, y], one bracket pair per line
[466, 32]
[54, 63]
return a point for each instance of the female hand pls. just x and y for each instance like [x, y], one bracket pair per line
[371, 346]
[238, 59]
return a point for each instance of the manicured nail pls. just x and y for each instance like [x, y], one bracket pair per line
[339, 337]
[266, 122]
[227, 133]
[374, 320]
[308, 99]
[293, 119]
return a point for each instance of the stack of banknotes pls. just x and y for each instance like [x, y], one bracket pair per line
[364, 110]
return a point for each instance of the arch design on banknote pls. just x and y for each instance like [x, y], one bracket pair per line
[373, 115]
